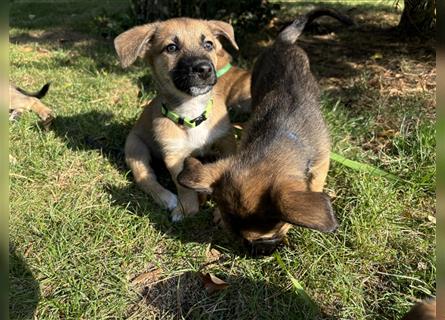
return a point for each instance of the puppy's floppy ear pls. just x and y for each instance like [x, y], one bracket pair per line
[306, 208]
[200, 177]
[134, 43]
[223, 29]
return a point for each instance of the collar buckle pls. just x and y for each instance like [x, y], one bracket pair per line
[198, 120]
[184, 121]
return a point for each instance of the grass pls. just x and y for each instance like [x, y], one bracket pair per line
[82, 235]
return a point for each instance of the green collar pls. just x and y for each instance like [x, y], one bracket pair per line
[223, 70]
[191, 123]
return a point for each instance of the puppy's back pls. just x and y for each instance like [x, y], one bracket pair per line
[285, 96]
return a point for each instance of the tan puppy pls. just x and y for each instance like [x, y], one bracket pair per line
[188, 116]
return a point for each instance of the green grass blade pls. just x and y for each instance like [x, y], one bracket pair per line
[310, 304]
[363, 167]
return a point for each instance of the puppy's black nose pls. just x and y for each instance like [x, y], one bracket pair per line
[202, 68]
[262, 247]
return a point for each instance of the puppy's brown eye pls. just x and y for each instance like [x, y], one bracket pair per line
[171, 48]
[208, 45]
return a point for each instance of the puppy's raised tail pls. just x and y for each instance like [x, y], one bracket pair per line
[291, 33]
[39, 94]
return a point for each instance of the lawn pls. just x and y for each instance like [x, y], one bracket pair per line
[86, 243]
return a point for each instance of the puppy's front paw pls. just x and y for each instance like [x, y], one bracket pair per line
[167, 200]
[177, 214]
[183, 210]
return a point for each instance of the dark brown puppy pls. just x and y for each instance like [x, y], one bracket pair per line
[424, 310]
[276, 179]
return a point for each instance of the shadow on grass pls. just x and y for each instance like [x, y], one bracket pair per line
[74, 27]
[99, 50]
[24, 292]
[183, 296]
[94, 130]
[198, 228]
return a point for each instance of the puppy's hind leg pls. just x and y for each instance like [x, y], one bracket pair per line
[137, 156]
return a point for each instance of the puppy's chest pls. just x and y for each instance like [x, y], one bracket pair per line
[194, 139]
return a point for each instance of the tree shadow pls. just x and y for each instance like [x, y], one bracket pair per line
[94, 130]
[198, 228]
[98, 50]
[184, 296]
[24, 291]
[76, 30]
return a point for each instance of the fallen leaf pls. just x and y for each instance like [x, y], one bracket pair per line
[212, 283]
[43, 50]
[147, 277]
[212, 254]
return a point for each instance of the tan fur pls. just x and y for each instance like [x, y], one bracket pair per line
[235, 85]
[157, 136]
[20, 102]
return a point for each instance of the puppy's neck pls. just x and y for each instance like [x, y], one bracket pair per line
[187, 106]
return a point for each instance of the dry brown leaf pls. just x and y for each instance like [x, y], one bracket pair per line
[147, 277]
[212, 254]
[43, 51]
[212, 283]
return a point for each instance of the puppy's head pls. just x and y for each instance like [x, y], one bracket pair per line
[256, 208]
[182, 52]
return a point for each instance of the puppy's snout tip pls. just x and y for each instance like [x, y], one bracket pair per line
[262, 247]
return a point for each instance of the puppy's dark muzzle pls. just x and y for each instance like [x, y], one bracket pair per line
[203, 69]
[194, 75]
[263, 247]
